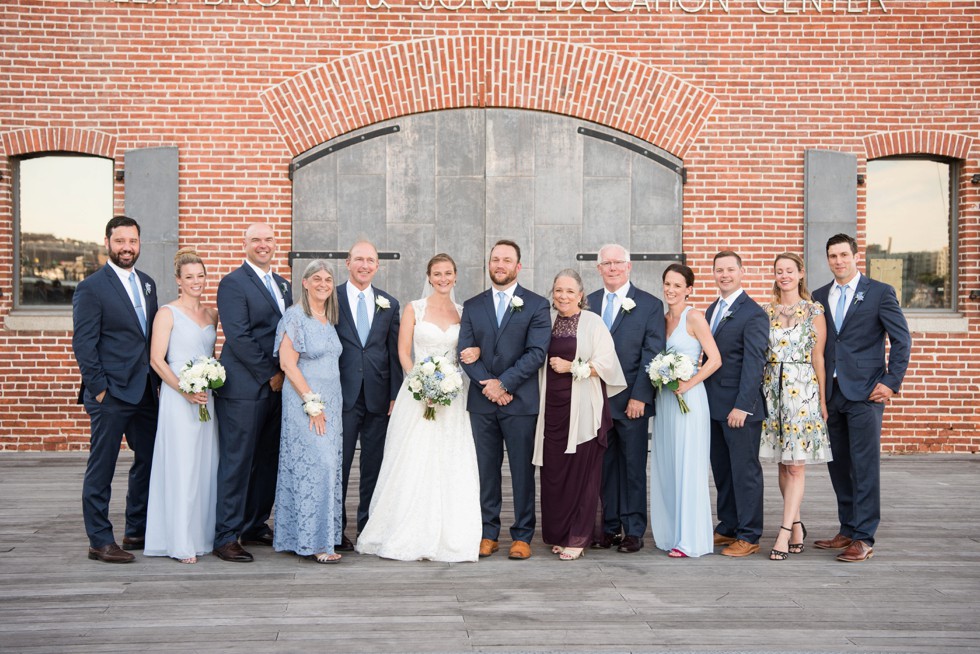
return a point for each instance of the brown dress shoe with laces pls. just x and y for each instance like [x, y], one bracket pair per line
[838, 542]
[488, 547]
[741, 548]
[110, 553]
[721, 539]
[134, 543]
[856, 552]
[233, 552]
[519, 550]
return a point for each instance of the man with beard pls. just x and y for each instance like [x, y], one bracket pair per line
[112, 312]
[512, 327]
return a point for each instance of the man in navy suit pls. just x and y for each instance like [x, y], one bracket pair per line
[370, 373]
[512, 327]
[251, 301]
[112, 313]
[737, 406]
[863, 311]
[636, 320]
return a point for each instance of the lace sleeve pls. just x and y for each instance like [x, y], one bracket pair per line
[292, 324]
[419, 307]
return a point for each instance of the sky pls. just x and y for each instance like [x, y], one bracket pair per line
[68, 196]
[902, 196]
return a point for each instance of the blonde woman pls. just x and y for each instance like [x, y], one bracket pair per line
[795, 432]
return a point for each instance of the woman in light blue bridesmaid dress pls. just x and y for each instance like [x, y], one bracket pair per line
[680, 507]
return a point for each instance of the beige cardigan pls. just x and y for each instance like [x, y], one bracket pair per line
[595, 345]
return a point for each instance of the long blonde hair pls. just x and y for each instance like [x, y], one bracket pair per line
[798, 260]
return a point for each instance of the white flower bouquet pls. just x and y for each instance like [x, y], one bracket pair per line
[433, 381]
[201, 374]
[669, 368]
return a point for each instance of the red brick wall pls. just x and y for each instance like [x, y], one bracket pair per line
[739, 95]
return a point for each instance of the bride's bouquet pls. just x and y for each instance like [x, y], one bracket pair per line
[433, 381]
[669, 368]
[200, 374]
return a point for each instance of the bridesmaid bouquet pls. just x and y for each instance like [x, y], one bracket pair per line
[200, 374]
[433, 381]
[669, 368]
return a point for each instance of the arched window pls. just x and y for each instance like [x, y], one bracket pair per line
[911, 230]
[62, 202]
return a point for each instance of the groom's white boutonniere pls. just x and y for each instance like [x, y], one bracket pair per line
[516, 304]
[282, 287]
[381, 303]
[628, 304]
[147, 289]
[859, 297]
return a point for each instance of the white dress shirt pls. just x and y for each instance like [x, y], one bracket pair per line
[275, 287]
[850, 288]
[123, 276]
[352, 292]
[619, 296]
[508, 293]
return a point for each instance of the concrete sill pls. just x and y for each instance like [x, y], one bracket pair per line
[951, 323]
[38, 321]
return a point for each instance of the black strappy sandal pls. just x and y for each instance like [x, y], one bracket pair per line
[797, 548]
[776, 555]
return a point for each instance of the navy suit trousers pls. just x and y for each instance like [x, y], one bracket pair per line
[372, 429]
[110, 419]
[624, 477]
[491, 431]
[738, 479]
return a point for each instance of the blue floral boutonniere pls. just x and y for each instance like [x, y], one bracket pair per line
[859, 297]
[283, 286]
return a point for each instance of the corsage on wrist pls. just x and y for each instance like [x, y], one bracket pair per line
[580, 370]
[312, 404]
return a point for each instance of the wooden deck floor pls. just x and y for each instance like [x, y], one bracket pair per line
[921, 593]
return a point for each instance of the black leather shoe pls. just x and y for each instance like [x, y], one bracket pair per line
[258, 539]
[345, 545]
[133, 543]
[630, 545]
[233, 552]
[110, 553]
[607, 540]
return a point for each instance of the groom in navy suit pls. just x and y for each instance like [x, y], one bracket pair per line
[112, 314]
[370, 374]
[863, 312]
[512, 327]
[636, 320]
[737, 406]
[251, 301]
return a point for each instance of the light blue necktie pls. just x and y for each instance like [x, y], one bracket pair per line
[501, 307]
[362, 320]
[137, 301]
[719, 313]
[608, 313]
[268, 287]
[841, 307]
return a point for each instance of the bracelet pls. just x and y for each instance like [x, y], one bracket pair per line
[312, 404]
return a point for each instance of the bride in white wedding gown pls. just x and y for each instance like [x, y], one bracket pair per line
[426, 504]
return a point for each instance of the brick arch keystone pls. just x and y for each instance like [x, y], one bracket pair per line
[477, 71]
[917, 141]
[53, 139]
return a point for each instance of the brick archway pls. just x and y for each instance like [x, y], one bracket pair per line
[917, 141]
[53, 139]
[454, 72]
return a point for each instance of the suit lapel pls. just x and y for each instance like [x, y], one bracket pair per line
[117, 284]
[862, 289]
[618, 318]
[491, 312]
[377, 314]
[731, 311]
[345, 321]
[259, 284]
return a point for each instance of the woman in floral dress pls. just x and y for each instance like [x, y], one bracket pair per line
[795, 432]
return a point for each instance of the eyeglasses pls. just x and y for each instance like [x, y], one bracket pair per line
[610, 264]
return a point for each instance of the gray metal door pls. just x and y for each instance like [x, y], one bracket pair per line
[458, 180]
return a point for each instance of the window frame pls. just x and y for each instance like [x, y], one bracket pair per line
[955, 169]
[39, 309]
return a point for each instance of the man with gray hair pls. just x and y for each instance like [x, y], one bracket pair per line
[636, 320]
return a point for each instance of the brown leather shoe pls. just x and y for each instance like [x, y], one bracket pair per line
[741, 548]
[630, 545]
[110, 553]
[346, 545]
[233, 552]
[488, 547]
[721, 539]
[133, 543]
[519, 551]
[265, 538]
[838, 542]
[856, 552]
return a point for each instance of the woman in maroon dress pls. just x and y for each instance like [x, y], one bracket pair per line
[582, 371]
